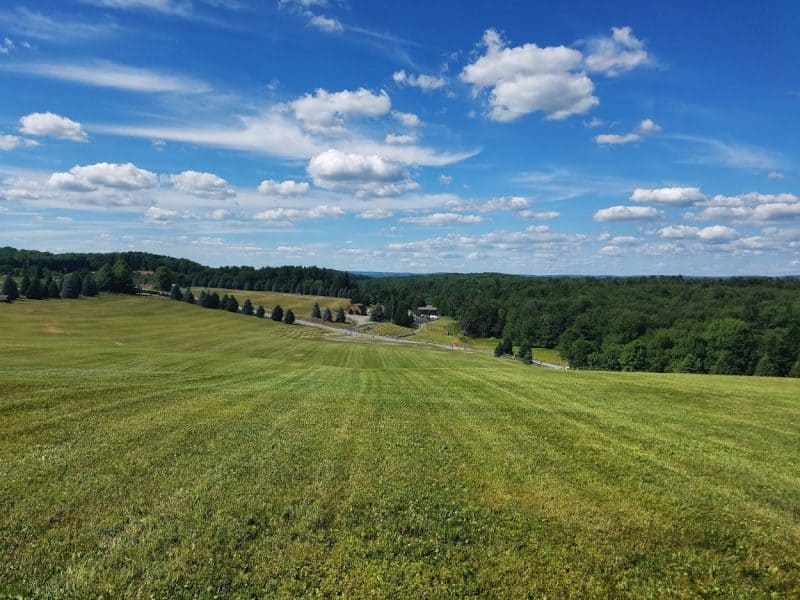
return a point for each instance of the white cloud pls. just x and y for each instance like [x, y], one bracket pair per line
[334, 169]
[283, 188]
[297, 214]
[615, 139]
[776, 175]
[103, 175]
[594, 122]
[53, 125]
[424, 82]
[445, 179]
[627, 213]
[12, 142]
[539, 216]
[674, 196]
[712, 234]
[325, 111]
[728, 154]
[752, 207]
[527, 78]
[407, 119]
[181, 8]
[202, 184]
[647, 127]
[57, 29]
[154, 214]
[440, 219]
[375, 213]
[113, 75]
[327, 24]
[6, 46]
[616, 54]
[505, 203]
[402, 138]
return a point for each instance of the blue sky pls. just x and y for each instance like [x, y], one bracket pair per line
[638, 138]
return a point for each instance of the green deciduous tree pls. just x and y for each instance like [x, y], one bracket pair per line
[163, 279]
[504, 346]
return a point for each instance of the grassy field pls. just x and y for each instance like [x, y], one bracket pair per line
[301, 305]
[149, 447]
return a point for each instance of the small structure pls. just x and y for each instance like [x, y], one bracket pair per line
[357, 309]
[428, 312]
[4, 298]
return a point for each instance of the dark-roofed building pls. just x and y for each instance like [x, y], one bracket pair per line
[428, 312]
[357, 309]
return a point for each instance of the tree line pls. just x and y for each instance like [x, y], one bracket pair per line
[741, 326]
[212, 300]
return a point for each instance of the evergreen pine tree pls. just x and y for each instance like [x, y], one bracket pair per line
[10, 289]
[340, 318]
[71, 287]
[260, 312]
[89, 286]
[247, 307]
[213, 301]
[377, 315]
[525, 354]
[34, 290]
[189, 296]
[202, 299]
[231, 305]
[25, 284]
[327, 316]
[289, 318]
[53, 289]
[315, 312]
[504, 346]
[175, 292]
[277, 313]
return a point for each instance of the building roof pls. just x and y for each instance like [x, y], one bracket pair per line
[427, 307]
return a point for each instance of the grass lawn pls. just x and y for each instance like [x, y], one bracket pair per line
[150, 447]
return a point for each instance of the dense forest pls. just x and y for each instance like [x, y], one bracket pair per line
[730, 326]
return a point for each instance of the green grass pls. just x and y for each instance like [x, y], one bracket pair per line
[389, 330]
[153, 448]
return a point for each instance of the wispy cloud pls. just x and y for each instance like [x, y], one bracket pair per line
[711, 151]
[56, 27]
[113, 75]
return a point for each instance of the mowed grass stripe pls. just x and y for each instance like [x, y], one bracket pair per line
[160, 448]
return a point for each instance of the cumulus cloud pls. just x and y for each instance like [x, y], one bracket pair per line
[644, 128]
[288, 187]
[440, 219]
[616, 54]
[407, 119]
[52, 125]
[751, 207]
[423, 82]
[12, 142]
[103, 175]
[401, 138]
[201, 184]
[613, 139]
[155, 214]
[298, 214]
[505, 203]
[368, 174]
[712, 234]
[375, 213]
[527, 78]
[540, 215]
[627, 213]
[325, 111]
[327, 24]
[674, 196]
